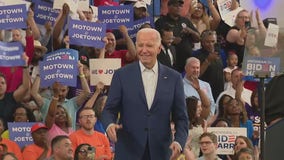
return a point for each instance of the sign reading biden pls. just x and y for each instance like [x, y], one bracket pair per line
[87, 33]
[59, 66]
[11, 54]
[103, 70]
[13, 16]
[226, 138]
[115, 16]
[20, 132]
[44, 12]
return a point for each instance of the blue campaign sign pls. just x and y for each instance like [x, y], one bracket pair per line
[13, 16]
[257, 65]
[115, 16]
[86, 33]
[11, 54]
[59, 66]
[137, 25]
[44, 12]
[20, 132]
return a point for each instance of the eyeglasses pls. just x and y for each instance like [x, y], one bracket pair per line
[83, 152]
[87, 116]
[243, 17]
[205, 143]
[198, 8]
[20, 114]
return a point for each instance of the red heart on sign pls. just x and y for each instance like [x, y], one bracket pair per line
[100, 71]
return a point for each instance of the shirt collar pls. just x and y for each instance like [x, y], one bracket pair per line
[154, 69]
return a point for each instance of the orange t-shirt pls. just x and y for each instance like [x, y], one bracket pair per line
[12, 147]
[97, 140]
[32, 152]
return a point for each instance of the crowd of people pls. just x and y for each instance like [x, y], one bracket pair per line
[182, 75]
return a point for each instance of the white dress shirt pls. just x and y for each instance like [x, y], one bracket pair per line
[150, 80]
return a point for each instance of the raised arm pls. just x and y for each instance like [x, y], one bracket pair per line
[35, 92]
[31, 22]
[50, 117]
[58, 26]
[81, 98]
[214, 22]
[90, 103]
[131, 54]
[24, 87]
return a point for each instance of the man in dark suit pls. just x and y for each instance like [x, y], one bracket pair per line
[148, 97]
[168, 53]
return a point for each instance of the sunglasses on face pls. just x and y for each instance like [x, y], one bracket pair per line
[83, 152]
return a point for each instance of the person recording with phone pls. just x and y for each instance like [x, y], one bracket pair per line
[211, 67]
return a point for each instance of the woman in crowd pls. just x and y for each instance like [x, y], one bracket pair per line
[196, 127]
[57, 119]
[245, 154]
[81, 152]
[21, 114]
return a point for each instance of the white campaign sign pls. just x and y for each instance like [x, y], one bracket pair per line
[103, 70]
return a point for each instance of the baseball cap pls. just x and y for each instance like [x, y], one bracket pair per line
[38, 126]
[172, 2]
[140, 4]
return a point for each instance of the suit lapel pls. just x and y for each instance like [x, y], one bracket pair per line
[162, 79]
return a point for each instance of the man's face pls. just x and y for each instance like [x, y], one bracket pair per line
[40, 137]
[208, 43]
[110, 46]
[167, 38]
[207, 146]
[3, 86]
[64, 149]
[16, 35]
[63, 91]
[193, 69]
[148, 48]
[175, 9]
[140, 13]
[87, 119]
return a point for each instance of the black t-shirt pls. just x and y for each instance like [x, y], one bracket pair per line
[7, 107]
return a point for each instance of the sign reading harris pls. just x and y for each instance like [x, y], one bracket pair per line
[226, 138]
[20, 132]
[103, 70]
[11, 54]
[13, 16]
[115, 16]
[86, 33]
[137, 25]
[59, 66]
[44, 12]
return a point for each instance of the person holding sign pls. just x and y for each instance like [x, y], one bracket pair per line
[71, 105]
[147, 103]
[126, 56]
[9, 101]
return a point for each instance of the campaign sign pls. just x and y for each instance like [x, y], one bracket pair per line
[59, 66]
[115, 16]
[20, 132]
[86, 33]
[44, 12]
[258, 65]
[13, 16]
[103, 70]
[137, 25]
[11, 54]
[226, 138]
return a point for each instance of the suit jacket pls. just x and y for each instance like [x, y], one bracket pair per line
[141, 125]
[164, 59]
